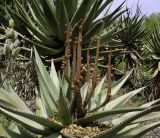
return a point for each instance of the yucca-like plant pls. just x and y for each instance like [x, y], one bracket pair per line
[68, 104]
[154, 49]
[46, 21]
[153, 46]
[130, 41]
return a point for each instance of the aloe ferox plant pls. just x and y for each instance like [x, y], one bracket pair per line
[68, 105]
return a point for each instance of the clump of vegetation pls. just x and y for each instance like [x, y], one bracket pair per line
[74, 100]
[46, 21]
[154, 67]
[79, 71]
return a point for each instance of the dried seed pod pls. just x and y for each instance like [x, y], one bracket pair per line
[98, 76]
[91, 69]
[65, 57]
[82, 71]
[70, 40]
[62, 67]
[68, 56]
[63, 62]
[81, 78]
[82, 65]
[76, 42]
[77, 82]
[80, 27]
[97, 79]
[92, 64]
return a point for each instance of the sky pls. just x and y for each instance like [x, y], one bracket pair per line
[147, 6]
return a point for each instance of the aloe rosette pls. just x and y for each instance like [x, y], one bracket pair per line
[46, 21]
[55, 104]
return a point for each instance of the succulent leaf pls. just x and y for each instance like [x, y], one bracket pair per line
[64, 113]
[49, 13]
[51, 89]
[98, 88]
[54, 76]
[4, 132]
[8, 90]
[40, 107]
[30, 125]
[12, 98]
[35, 121]
[46, 99]
[10, 131]
[96, 100]
[80, 12]
[100, 97]
[117, 85]
[55, 135]
[145, 118]
[112, 132]
[83, 91]
[100, 115]
[126, 130]
[103, 6]
[120, 101]
[142, 130]
[65, 88]
[91, 14]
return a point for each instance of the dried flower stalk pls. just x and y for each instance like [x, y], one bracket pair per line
[67, 51]
[109, 74]
[93, 79]
[76, 73]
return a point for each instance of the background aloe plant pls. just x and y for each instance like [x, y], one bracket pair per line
[153, 48]
[46, 21]
[129, 41]
[76, 98]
